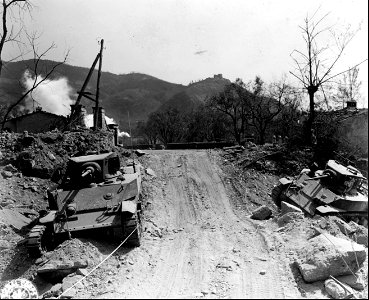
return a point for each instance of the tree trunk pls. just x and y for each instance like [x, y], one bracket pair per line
[237, 134]
[262, 137]
[311, 91]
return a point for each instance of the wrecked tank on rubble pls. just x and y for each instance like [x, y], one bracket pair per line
[95, 193]
[336, 190]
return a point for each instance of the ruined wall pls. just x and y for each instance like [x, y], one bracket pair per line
[354, 131]
[36, 122]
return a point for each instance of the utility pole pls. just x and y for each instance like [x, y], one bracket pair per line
[98, 86]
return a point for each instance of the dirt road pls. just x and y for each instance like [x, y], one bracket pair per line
[196, 245]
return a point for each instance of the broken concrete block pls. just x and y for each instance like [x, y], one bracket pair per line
[326, 255]
[336, 290]
[261, 213]
[287, 207]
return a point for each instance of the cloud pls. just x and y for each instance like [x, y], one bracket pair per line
[200, 52]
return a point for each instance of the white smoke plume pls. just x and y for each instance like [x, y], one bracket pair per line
[53, 96]
[123, 133]
[89, 122]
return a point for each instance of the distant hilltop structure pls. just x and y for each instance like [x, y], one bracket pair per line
[215, 76]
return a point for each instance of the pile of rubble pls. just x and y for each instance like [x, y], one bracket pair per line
[67, 265]
[39, 154]
[274, 159]
[321, 249]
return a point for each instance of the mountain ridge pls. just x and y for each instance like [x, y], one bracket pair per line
[137, 93]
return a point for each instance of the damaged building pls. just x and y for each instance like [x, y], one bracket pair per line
[36, 121]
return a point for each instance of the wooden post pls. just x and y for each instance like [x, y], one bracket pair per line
[98, 88]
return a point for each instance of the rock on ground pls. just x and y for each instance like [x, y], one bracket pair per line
[261, 213]
[326, 255]
[336, 290]
[13, 218]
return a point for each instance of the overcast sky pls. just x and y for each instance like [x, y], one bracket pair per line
[183, 40]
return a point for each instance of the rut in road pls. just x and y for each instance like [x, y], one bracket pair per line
[208, 249]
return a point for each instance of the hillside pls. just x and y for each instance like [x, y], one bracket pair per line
[138, 94]
[196, 93]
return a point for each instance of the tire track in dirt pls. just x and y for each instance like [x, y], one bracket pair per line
[208, 250]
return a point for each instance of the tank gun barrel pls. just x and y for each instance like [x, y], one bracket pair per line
[87, 172]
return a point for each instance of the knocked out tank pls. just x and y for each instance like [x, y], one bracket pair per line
[336, 190]
[95, 193]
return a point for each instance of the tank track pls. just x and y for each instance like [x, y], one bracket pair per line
[129, 225]
[34, 241]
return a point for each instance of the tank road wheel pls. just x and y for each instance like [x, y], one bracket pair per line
[35, 243]
[277, 193]
[133, 224]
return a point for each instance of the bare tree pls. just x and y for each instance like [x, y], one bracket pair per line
[314, 68]
[39, 74]
[14, 31]
[168, 125]
[349, 87]
[267, 102]
[11, 32]
[148, 131]
[233, 102]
